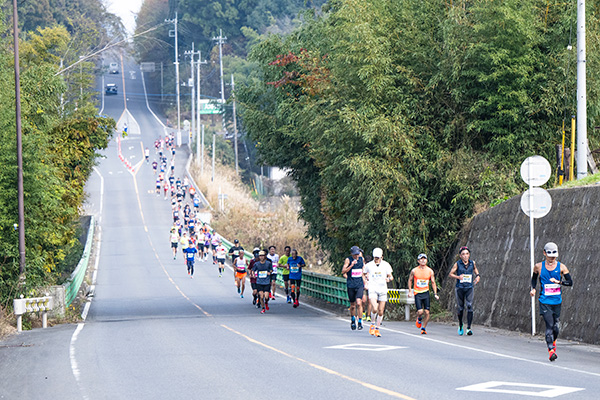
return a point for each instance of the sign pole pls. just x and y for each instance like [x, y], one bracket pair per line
[531, 248]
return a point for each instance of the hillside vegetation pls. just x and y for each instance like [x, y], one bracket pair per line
[399, 119]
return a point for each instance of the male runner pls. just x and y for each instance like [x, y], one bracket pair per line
[295, 264]
[215, 241]
[274, 257]
[252, 277]
[378, 273]
[422, 275]
[190, 251]
[234, 251]
[220, 254]
[550, 272]
[353, 268]
[285, 271]
[263, 268]
[147, 154]
[466, 274]
[240, 266]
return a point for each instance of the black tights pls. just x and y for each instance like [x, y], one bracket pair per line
[551, 329]
[469, 319]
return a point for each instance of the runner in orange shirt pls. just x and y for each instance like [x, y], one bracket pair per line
[421, 276]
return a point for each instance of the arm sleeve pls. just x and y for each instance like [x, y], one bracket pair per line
[568, 281]
[534, 279]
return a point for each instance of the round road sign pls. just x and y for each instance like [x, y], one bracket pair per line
[540, 205]
[535, 170]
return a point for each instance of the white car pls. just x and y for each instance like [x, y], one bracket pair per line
[113, 68]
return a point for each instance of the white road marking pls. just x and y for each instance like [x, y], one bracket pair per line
[74, 366]
[547, 391]
[365, 347]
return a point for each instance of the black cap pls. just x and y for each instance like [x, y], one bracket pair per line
[354, 250]
[236, 241]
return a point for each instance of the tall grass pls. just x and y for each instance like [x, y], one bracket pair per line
[243, 219]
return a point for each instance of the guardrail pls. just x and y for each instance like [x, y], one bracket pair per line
[74, 283]
[33, 304]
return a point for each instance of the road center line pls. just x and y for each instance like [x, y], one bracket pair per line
[74, 366]
[321, 368]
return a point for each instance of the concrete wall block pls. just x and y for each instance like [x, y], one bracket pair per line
[58, 293]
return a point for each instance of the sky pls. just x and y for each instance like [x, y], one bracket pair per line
[126, 9]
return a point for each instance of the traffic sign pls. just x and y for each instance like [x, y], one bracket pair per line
[535, 170]
[539, 206]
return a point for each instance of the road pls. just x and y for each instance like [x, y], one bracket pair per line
[153, 333]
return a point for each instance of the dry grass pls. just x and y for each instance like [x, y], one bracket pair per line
[6, 328]
[242, 218]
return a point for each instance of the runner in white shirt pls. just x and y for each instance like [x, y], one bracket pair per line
[215, 241]
[378, 273]
[174, 241]
[274, 257]
[220, 252]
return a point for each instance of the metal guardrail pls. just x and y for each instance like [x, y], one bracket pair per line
[74, 282]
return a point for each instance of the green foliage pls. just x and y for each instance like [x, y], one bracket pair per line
[398, 119]
[59, 149]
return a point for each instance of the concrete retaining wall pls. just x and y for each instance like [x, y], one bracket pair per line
[499, 243]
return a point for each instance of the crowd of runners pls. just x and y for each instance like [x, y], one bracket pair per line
[367, 282]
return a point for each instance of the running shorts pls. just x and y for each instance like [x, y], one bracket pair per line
[174, 245]
[422, 300]
[285, 277]
[263, 288]
[296, 282]
[274, 277]
[200, 247]
[355, 293]
[240, 275]
[253, 285]
[379, 295]
[554, 309]
[221, 260]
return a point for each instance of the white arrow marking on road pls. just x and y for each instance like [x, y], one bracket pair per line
[547, 391]
[365, 347]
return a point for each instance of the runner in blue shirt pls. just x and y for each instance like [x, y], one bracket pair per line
[295, 264]
[190, 252]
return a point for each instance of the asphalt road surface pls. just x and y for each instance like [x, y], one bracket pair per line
[153, 333]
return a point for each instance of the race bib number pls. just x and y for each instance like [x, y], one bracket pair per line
[552, 289]
[190, 255]
[274, 268]
[422, 283]
[294, 270]
[262, 274]
[241, 269]
[356, 273]
[467, 278]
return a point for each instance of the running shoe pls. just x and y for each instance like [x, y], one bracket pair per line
[296, 304]
[418, 323]
[289, 299]
[192, 276]
[368, 319]
[174, 257]
[372, 329]
[553, 355]
[353, 325]
[460, 331]
[423, 331]
[262, 311]
[241, 296]
[376, 333]
[220, 275]
[360, 325]
[267, 306]
[554, 344]
[469, 332]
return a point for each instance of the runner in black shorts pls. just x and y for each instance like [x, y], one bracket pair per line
[285, 271]
[353, 268]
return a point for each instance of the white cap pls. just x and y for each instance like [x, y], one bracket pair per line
[377, 252]
[551, 249]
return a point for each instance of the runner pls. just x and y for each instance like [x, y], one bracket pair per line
[463, 271]
[295, 264]
[240, 268]
[263, 268]
[154, 166]
[252, 277]
[207, 239]
[285, 271]
[551, 273]
[353, 268]
[147, 154]
[158, 186]
[378, 273]
[421, 276]
[220, 253]
[190, 251]
[184, 241]
[234, 251]
[196, 203]
[274, 257]
[213, 245]
[174, 242]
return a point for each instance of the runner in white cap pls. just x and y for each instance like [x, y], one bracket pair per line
[378, 273]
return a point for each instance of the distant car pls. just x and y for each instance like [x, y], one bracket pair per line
[113, 68]
[111, 88]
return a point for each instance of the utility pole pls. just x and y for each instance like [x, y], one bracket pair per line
[20, 196]
[192, 54]
[177, 83]
[198, 66]
[235, 133]
[582, 142]
[213, 155]
[221, 40]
